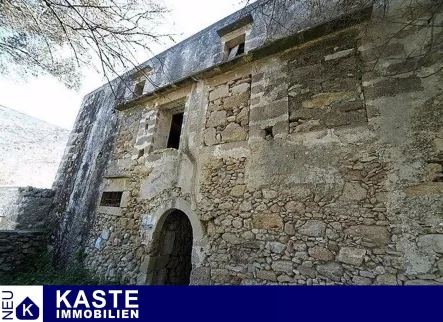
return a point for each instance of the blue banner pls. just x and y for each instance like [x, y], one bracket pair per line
[271, 303]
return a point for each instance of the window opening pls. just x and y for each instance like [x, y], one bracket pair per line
[235, 47]
[111, 198]
[236, 51]
[175, 131]
[139, 87]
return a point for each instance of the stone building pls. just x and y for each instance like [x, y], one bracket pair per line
[306, 149]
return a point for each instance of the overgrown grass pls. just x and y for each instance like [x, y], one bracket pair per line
[43, 273]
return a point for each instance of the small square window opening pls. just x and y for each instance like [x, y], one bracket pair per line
[235, 47]
[111, 198]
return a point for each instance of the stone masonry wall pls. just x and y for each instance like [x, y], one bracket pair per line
[325, 90]
[228, 112]
[19, 250]
[335, 178]
[25, 208]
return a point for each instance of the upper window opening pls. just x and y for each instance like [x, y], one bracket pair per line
[175, 131]
[168, 125]
[111, 198]
[235, 47]
[139, 87]
[241, 49]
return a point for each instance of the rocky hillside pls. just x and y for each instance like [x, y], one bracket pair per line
[30, 150]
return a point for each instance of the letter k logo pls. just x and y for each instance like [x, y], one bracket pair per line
[27, 310]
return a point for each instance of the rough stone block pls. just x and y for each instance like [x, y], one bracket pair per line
[269, 194]
[276, 247]
[267, 275]
[376, 234]
[271, 221]
[209, 136]
[245, 206]
[289, 229]
[425, 189]
[231, 238]
[306, 271]
[270, 111]
[236, 101]
[220, 276]
[386, 279]
[313, 228]
[219, 92]
[285, 279]
[105, 234]
[358, 280]
[238, 191]
[351, 256]
[321, 253]
[234, 132]
[240, 88]
[348, 106]
[353, 191]
[217, 118]
[331, 270]
[296, 206]
[282, 266]
[326, 99]
[125, 199]
[243, 117]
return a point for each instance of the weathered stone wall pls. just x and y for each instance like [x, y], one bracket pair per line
[20, 250]
[81, 172]
[25, 208]
[228, 112]
[30, 150]
[317, 165]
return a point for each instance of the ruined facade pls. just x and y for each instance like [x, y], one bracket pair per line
[306, 152]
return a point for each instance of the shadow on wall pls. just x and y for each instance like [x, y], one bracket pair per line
[24, 222]
[25, 208]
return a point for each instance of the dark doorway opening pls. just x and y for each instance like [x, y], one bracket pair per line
[173, 261]
[175, 131]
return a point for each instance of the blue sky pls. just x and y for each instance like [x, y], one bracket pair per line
[47, 99]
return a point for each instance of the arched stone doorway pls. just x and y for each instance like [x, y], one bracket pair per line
[173, 250]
